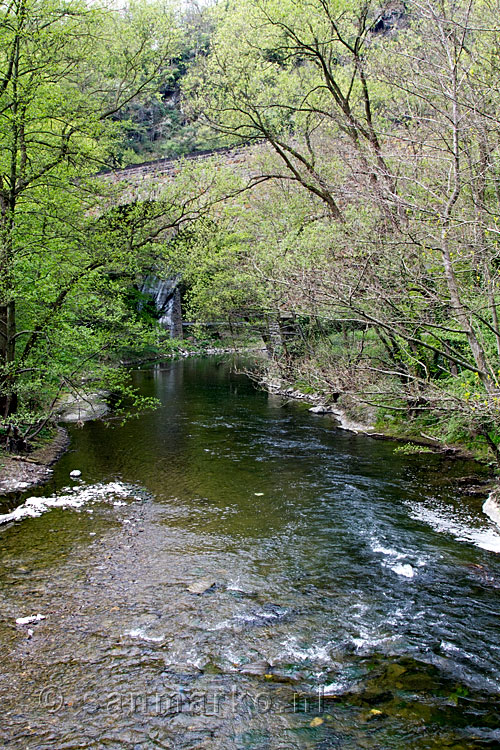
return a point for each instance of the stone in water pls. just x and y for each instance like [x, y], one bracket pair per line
[30, 619]
[199, 587]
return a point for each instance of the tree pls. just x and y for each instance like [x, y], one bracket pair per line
[66, 71]
[391, 123]
[297, 76]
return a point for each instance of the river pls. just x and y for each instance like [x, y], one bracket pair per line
[353, 595]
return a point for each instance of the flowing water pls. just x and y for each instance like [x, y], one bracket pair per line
[355, 599]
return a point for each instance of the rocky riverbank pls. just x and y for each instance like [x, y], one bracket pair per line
[20, 473]
[347, 421]
[318, 406]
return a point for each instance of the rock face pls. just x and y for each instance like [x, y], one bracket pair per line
[393, 17]
[167, 300]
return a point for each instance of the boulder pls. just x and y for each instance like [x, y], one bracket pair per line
[321, 409]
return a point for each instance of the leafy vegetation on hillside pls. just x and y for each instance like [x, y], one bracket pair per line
[156, 126]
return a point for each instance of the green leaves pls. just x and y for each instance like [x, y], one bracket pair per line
[66, 71]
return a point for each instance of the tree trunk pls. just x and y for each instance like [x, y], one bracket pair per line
[8, 396]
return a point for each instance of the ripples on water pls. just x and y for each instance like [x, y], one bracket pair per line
[358, 584]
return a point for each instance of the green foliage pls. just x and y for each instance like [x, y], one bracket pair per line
[359, 238]
[211, 259]
[66, 70]
[156, 126]
[410, 449]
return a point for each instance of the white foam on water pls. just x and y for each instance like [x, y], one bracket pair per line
[335, 688]
[404, 570]
[222, 625]
[392, 558]
[369, 642]
[320, 654]
[235, 585]
[463, 527]
[73, 499]
[388, 551]
[450, 647]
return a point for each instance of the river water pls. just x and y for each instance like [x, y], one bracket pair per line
[356, 596]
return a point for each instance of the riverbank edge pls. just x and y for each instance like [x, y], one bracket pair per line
[489, 488]
[211, 351]
[21, 473]
[346, 421]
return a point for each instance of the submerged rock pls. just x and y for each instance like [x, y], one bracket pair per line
[292, 678]
[241, 593]
[256, 668]
[199, 587]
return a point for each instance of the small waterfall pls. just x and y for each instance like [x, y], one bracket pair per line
[167, 299]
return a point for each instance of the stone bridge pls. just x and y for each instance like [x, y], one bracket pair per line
[145, 181]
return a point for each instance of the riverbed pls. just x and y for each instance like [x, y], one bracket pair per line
[350, 594]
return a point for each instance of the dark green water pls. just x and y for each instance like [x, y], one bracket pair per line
[364, 578]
